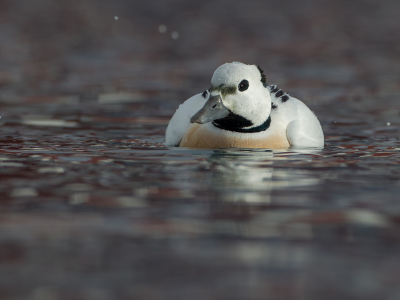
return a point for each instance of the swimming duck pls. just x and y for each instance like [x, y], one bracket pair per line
[241, 110]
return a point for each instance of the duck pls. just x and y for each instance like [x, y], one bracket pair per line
[240, 110]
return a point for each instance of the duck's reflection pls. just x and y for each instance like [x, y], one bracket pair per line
[241, 175]
[250, 194]
[249, 176]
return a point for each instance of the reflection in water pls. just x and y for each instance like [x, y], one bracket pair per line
[248, 175]
[241, 175]
[242, 180]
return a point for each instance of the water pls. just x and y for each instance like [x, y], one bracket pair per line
[94, 205]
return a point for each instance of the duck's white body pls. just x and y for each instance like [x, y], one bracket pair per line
[291, 122]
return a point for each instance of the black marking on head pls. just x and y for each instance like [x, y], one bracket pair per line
[243, 85]
[285, 98]
[273, 105]
[204, 94]
[237, 123]
[278, 94]
[224, 90]
[274, 88]
[263, 78]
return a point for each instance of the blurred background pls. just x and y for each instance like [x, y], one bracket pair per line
[93, 206]
[84, 46]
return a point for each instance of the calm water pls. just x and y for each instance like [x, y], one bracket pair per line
[94, 206]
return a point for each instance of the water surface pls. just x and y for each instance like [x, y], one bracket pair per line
[93, 204]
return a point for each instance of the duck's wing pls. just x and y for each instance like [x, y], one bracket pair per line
[302, 126]
[180, 121]
[304, 130]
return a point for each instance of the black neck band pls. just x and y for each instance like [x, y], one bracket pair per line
[236, 123]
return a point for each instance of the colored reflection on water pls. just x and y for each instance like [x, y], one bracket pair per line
[93, 206]
[89, 191]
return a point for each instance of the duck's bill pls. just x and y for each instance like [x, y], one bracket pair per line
[212, 110]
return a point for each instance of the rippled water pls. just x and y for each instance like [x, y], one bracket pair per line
[94, 206]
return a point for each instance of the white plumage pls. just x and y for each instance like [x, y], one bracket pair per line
[180, 121]
[239, 110]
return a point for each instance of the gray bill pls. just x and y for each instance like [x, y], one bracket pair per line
[212, 110]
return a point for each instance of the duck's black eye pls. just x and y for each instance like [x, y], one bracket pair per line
[243, 85]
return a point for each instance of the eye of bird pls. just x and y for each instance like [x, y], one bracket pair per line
[243, 85]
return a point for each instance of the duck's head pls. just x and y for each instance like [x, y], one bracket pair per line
[238, 97]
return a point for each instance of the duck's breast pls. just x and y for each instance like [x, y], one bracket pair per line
[209, 136]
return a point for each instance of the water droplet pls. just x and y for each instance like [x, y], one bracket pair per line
[388, 123]
[162, 28]
[175, 35]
